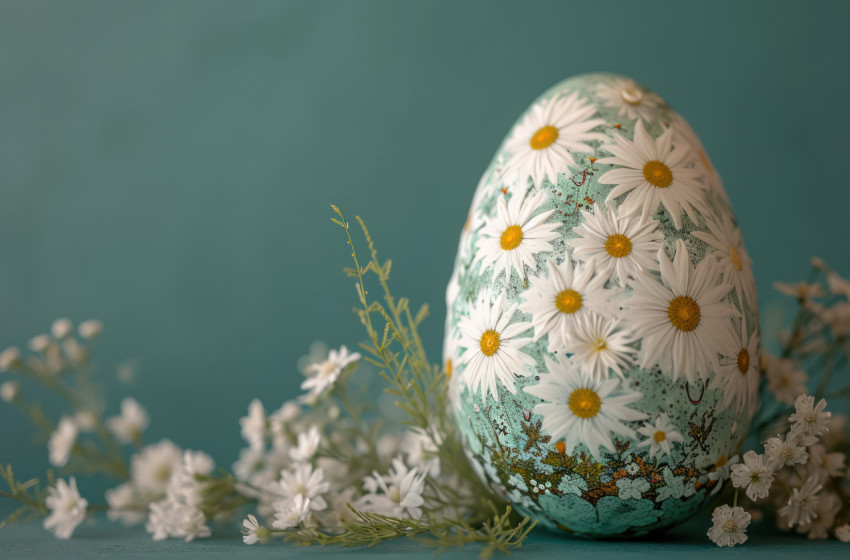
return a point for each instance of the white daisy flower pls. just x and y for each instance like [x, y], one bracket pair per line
[722, 471]
[510, 239]
[599, 344]
[9, 391]
[684, 134]
[785, 379]
[421, 451]
[253, 532]
[683, 319]
[67, 508]
[62, 441]
[254, 425]
[738, 370]
[653, 172]
[630, 99]
[753, 475]
[542, 144]
[660, 436]
[398, 494]
[558, 301]
[809, 421]
[308, 444]
[493, 348]
[781, 451]
[323, 375]
[800, 290]
[802, 504]
[735, 263]
[152, 467]
[583, 409]
[290, 513]
[617, 244]
[129, 425]
[730, 526]
[302, 479]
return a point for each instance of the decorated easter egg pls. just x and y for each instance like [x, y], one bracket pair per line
[602, 331]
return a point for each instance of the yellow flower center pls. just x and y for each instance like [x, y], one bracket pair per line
[618, 245]
[544, 138]
[490, 342]
[743, 361]
[684, 313]
[600, 345]
[449, 368]
[568, 301]
[736, 258]
[658, 174]
[632, 96]
[584, 403]
[659, 436]
[729, 526]
[511, 238]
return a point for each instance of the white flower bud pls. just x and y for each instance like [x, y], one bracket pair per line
[9, 391]
[90, 329]
[40, 343]
[9, 358]
[61, 328]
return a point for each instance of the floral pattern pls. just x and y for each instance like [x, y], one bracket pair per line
[624, 374]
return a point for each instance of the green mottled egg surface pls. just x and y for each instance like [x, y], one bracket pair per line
[602, 332]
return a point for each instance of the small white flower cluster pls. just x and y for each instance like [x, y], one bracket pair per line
[798, 459]
[305, 464]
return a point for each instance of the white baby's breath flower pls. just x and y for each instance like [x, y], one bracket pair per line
[85, 420]
[90, 329]
[785, 379]
[152, 467]
[61, 328]
[781, 451]
[801, 506]
[753, 475]
[126, 505]
[254, 425]
[253, 532]
[323, 375]
[290, 513]
[170, 518]
[130, 424]
[421, 452]
[398, 494]
[62, 441]
[823, 465]
[41, 343]
[730, 526]
[10, 358]
[67, 508]
[308, 443]
[828, 506]
[9, 391]
[843, 533]
[302, 479]
[809, 421]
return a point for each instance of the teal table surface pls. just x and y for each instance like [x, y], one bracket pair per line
[106, 540]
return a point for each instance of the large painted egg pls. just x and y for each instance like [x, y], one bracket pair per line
[602, 330]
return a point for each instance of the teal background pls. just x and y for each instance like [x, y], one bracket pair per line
[167, 166]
